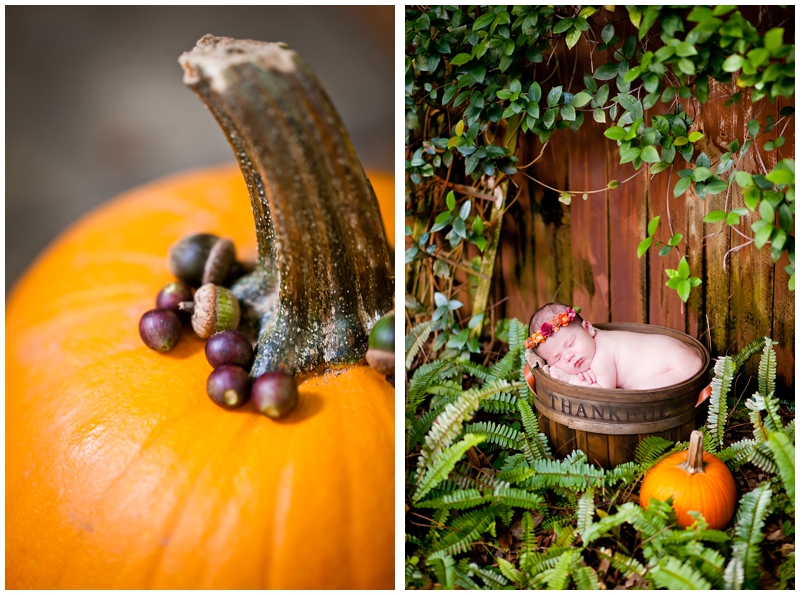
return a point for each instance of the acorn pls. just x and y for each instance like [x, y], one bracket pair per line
[380, 355]
[160, 329]
[172, 294]
[202, 258]
[274, 394]
[214, 309]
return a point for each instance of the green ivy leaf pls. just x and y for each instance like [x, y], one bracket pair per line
[695, 136]
[572, 37]
[554, 96]
[763, 234]
[606, 72]
[682, 186]
[599, 115]
[684, 290]
[483, 21]
[653, 225]
[716, 186]
[780, 176]
[650, 155]
[715, 217]
[615, 133]
[701, 173]
[683, 269]
[450, 199]
[460, 59]
[732, 63]
[581, 99]
[565, 197]
[568, 113]
[643, 246]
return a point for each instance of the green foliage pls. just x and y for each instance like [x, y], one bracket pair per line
[480, 471]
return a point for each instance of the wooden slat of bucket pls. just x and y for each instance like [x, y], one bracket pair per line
[565, 439]
[621, 449]
[598, 449]
[582, 441]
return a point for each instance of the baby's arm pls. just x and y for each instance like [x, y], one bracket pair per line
[582, 379]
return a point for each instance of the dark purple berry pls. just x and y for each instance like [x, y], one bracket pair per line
[160, 329]
[229, 347]
[229, 386]
[274, 394]
[173, 294]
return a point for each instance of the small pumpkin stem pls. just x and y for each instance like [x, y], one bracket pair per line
[323, 276]
[694, 459]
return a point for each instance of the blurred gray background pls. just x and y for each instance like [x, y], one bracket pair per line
[95, 102]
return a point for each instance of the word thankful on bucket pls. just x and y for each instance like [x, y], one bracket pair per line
[598, 411]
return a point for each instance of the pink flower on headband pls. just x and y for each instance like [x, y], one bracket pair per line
[571, 313]
[546, 329]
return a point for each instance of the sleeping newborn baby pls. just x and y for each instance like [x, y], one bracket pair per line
[577, 353]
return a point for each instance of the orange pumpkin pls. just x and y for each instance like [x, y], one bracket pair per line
[695, 480]
[121, 472]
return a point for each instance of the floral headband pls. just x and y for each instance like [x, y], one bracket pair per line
[548, 328]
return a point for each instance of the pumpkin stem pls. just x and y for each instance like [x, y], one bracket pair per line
[694, 459]
[323, 276]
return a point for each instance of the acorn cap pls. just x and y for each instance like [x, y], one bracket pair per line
[215, 309]
[220, 262]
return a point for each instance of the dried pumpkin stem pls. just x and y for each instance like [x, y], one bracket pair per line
[694, 459]
[323, 276]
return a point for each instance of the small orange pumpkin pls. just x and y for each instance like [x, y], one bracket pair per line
[120, 471]
[695, 480]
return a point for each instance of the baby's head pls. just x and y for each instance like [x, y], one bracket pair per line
[569, 347]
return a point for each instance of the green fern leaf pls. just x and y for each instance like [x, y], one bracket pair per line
[443, 567]
[423, 377]
[786, 572]
[575, 475]
[533, 443]
[502, 403]
[480, 372]
[622, 474]
[649, 450]
[448, 424]
[517, 498]
[517, 335]
[671, 573]
[457, 500]
[742, 570]
[585, 512]
[772, 421]
[419, 427]
[762, 457]
[767, 368]
[626, 565]
[737, 454]
[464, 531]
[507, 570]
[441, 466]
[627, 513]
[447, 388]
[789, 430]
[718, 402]
[712, 563]
[783, 453]
[505, 367]
[500, 434]
[516, 475]
[747, 352]
[755, 403]
[415, 340]
[586, 579]
[492, 579]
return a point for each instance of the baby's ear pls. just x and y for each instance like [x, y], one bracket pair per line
[589, 328]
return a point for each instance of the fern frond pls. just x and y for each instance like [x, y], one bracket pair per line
[671, 573]
[772, 421]
[500, 434]
[624, 473]
[423, 377]
[789, 430]
[755, 403]
[737, 454]
[557, 578]
[464, 531]
[762, 457]
[585, 511]
[747, 352]
[712, 563]
[533, 443]
[529, 542]
[444, 462]
[447, 426]
[517, 498]
[718, 402]
[492, 580]
[508, 570]
[444, 567]
[515, 475]
[505, 367]
[783, 453]
[480, 372]
[627, 513]
[517, 334]
[586, 579]
[786, 571]
[415, 340]
[767, 368]
[564, 474]
[742, 570]
[502, 403]
[457, 500]
[419, 427]
[650, 449]
[446, 388]
[626, 565]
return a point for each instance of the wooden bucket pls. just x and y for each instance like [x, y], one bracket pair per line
[607, 424]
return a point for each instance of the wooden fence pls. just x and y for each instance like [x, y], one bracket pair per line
[585, 254]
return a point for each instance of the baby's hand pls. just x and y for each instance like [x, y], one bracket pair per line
[588, 377]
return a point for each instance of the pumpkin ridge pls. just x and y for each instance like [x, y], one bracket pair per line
[248, 422]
